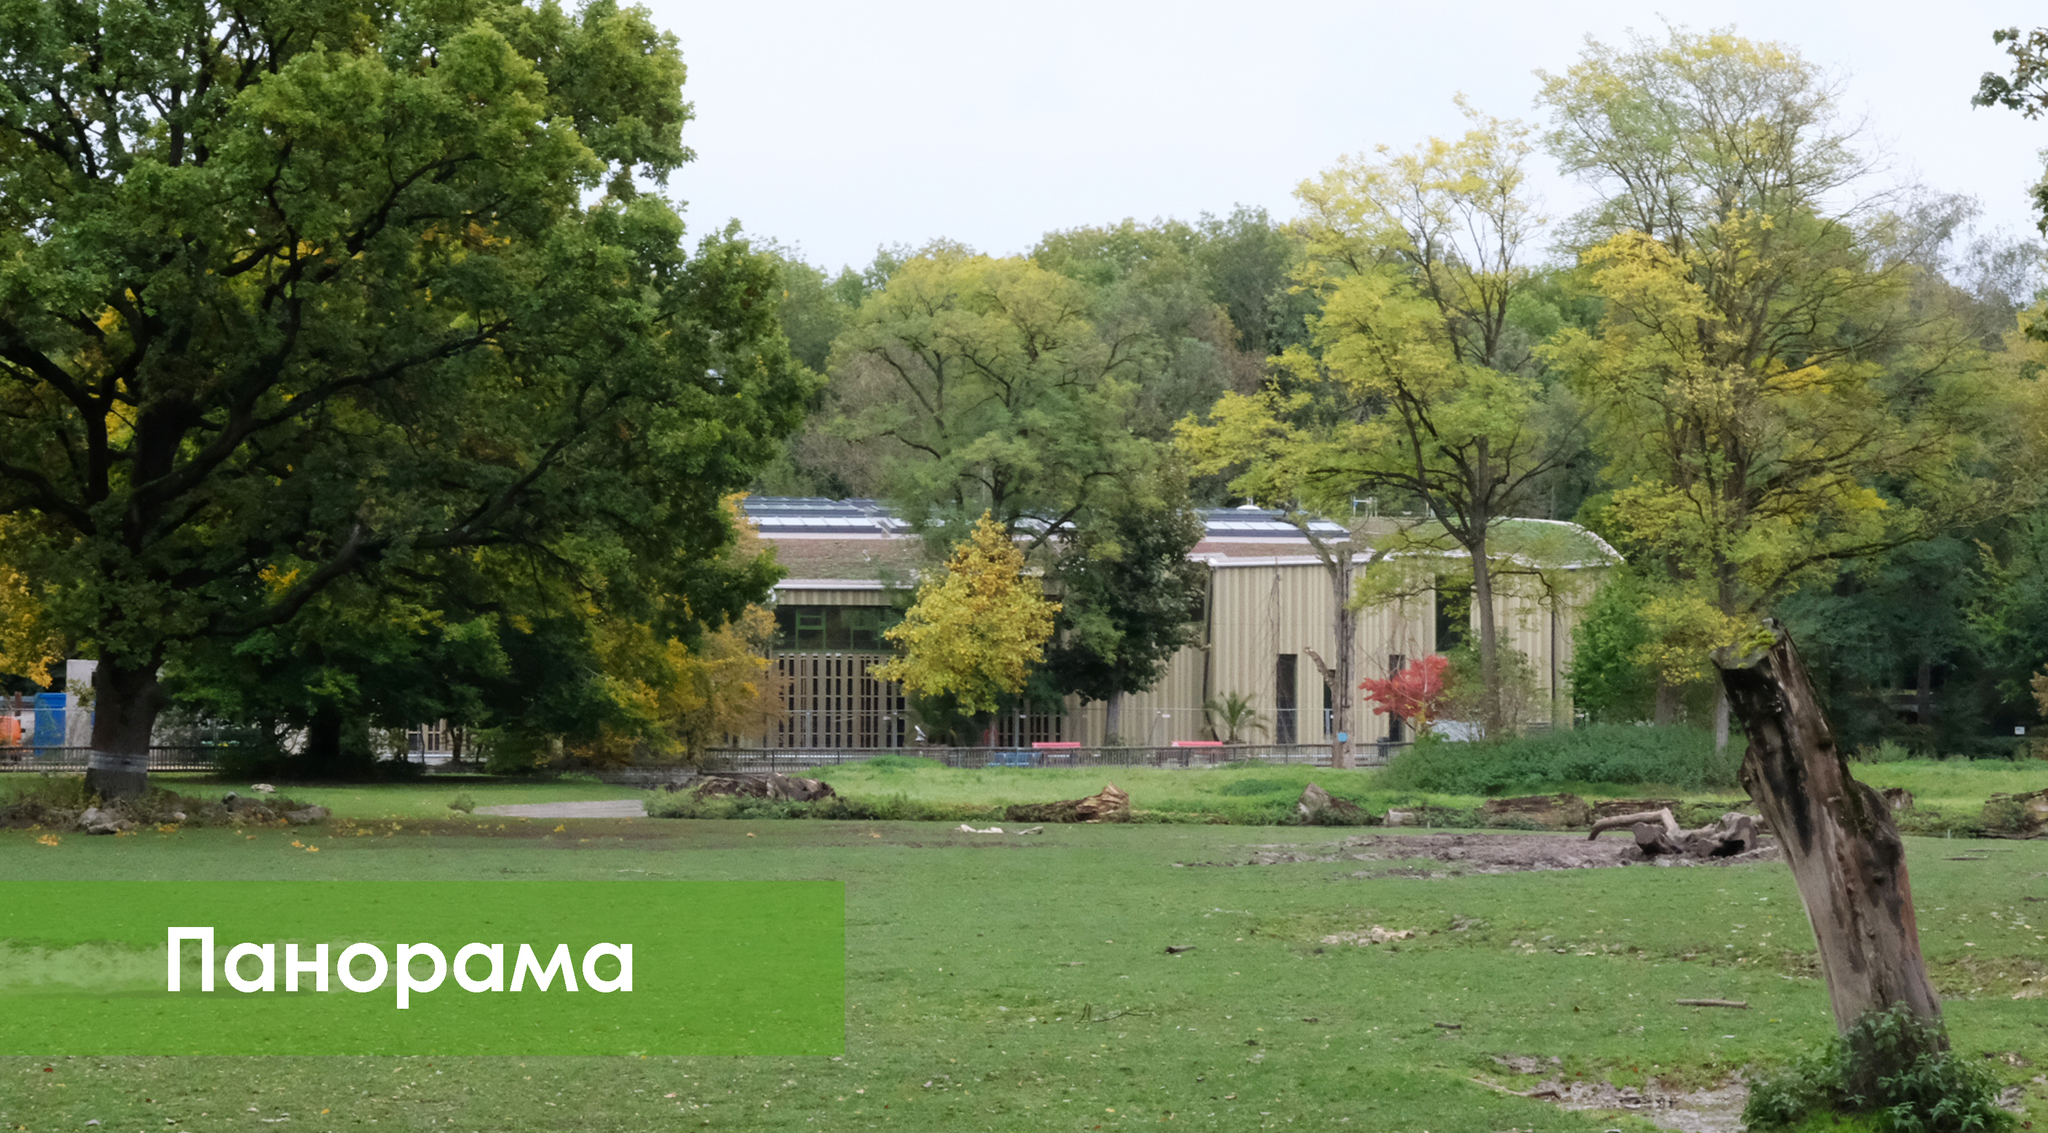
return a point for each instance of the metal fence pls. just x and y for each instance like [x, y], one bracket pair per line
[759, 760]
[179, 758]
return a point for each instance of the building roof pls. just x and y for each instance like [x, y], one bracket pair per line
[778, 516]
[862, 542]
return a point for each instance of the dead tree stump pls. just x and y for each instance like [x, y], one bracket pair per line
[1318, 807]
[1837, 835]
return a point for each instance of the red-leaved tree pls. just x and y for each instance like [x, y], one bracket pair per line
[1415, 693]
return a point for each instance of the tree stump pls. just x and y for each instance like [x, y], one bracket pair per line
[1318, 807]
[1837, 835]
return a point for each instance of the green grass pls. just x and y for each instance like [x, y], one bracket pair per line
[1022, 984]
[426, 799]
[1958, 784]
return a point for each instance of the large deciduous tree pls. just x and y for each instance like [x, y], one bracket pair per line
[1769, 399]
[289, 292]
[1130, 597]
[984, 385]
[1416, 386]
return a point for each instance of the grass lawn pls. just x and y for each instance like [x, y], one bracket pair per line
[422, 800]
[1023, 983]
[1254, 793]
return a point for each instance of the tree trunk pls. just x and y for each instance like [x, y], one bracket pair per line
[1340, 674]
[1113, 718]
[1720, 719]
[126, 701]
[1489, 640]
[1837, 835]
[1666, 710]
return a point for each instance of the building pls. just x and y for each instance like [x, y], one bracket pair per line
[853, 567]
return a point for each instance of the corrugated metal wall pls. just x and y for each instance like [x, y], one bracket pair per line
[1259, 611]
[1263, 611]
[796, 596]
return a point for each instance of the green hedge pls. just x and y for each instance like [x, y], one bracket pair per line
[1621, 754]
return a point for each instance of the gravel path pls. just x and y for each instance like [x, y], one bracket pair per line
[610, 808]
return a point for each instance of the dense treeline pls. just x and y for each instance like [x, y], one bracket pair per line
[1776, 384]
[438, 417]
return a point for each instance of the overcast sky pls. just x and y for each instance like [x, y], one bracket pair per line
[841, 127]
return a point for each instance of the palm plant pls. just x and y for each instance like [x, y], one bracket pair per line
[1232, 716]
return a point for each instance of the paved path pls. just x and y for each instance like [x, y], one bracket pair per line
[611, 808]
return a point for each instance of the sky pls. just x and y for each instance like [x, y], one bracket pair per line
[835, 129]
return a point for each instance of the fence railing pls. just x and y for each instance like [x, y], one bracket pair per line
[168, 758]
[758, 760]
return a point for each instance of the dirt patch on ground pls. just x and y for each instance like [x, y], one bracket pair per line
[1460, 854]
[1716, 1110]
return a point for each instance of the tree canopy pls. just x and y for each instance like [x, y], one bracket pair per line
[976, 629]
[291, 292]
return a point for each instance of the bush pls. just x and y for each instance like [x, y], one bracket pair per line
[464, 802]
[1885, 751]
[1621, 754]
[1890, 1067]
[1923, 819]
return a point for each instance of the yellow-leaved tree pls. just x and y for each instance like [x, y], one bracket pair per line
[976, 630]
[28, 644]
[673, 699]
[1769, 396]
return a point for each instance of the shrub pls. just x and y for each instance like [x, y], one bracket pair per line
[464, 802]
[1885, 751]
[1891, 1067]
[1923, 819]
[1623, 754]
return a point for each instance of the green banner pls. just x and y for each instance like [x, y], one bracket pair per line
[422, 967]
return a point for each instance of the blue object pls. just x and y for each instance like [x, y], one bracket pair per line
[49, 720]
[1010, 759]
[1343, 737]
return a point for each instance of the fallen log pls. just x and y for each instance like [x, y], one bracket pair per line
[1111, 804]
[1555, 811]
[775, 785]
[1743, 1004]
[2017, 816]
[1657, 832]
[1621, 821]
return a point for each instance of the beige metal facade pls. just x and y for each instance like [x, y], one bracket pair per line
[1263, 609]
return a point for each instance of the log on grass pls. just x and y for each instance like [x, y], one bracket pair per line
[1111, 804]
[1837, 836]
[1555, 811]
[1630, 821]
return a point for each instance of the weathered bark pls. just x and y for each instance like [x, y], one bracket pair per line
[1111, 805]
[1666, 710]
[1837, 835]
[1661, 816]
[1340, 674]
[126, 702]
[1657, 832]
[1341, 743]
[1720, 720]
[1113, 718]
[1491, 716]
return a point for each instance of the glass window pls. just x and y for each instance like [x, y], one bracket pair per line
[834, 629]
